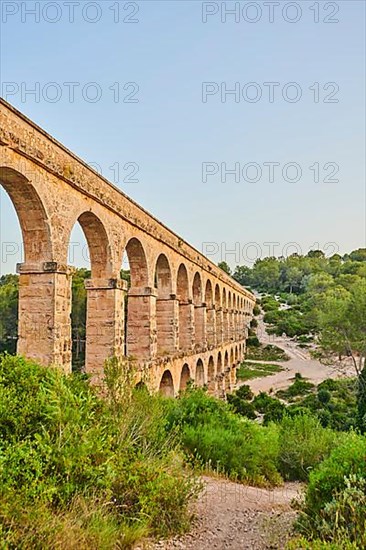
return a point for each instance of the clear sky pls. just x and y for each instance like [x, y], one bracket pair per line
[157, 116]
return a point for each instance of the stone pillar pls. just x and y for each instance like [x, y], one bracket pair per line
[141, 323]
[167, 319]
[219, 326]
[186, 329]
[200, 324]
[44, 332]
[104, 323]
[211, 326]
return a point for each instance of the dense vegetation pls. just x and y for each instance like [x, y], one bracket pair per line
[78, 471]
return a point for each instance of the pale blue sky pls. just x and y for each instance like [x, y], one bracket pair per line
[170, 132]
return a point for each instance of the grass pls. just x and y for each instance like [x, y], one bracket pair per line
[266, 352]
[248, 371]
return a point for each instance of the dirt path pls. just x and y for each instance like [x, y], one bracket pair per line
[238, 517]
[300, 361]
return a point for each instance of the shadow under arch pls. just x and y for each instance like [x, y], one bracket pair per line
[166, 332]
[185, 377]
[210, 315]
[200, 374]
[166, 386]
[42, 334]
[219, 315]
[33, 220]
[199, 312]
[186, 315]
[211, 379]
[140, 319]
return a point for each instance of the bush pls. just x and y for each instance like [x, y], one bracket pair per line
[215, 438]
[77, 471]
[335, 500]
[348, 458]
[303, 444]
[298, 388]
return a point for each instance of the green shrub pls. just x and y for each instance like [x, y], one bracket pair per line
[242, 407]
[303, 444]
[302, 543]
[266, 352]
[335, 501]
[61, 446]
[214, 437]
[346, 459]
[298, 388]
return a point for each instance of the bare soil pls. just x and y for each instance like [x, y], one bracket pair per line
[232, 516]
[300, 361]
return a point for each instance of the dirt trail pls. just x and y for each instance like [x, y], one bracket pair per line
[300, 361]
[238, 517]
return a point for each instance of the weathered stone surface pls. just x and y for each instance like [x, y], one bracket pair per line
[185, 317]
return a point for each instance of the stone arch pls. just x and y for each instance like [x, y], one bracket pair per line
[140, 318]
[99, 342]
[210, 314]
[211, 378]
[98, 244]
[166, 332]
[39, 284]
[219, 364]
[226, 370]
[225, 316]
[138, 263]
[218, 315]
[200, 374]
[219, 372]
[186, 314]
[199, 312]
[33, 220]
[230, 317]
[166, 386]
[185, 377]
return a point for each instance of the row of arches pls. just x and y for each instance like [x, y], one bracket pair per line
[215, 371]
[167, 306]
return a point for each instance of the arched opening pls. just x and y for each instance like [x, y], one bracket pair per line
[166, 327]
[210, 314]
[200, 374]
[34, 224]
[186, 315]
[234, 317]
[219, 371]
[89, 252]
[185, 377]
[211, 378]
[140, 318]
[225, 317]
[141, 386]
[225, 383]
[230, 317]
[199, 312]
[219, 316]
[25, 237]
[166, 387]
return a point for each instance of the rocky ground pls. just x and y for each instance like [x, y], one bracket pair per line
[237, 517]
[300, 361]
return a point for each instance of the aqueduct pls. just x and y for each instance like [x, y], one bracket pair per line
[186, 318]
